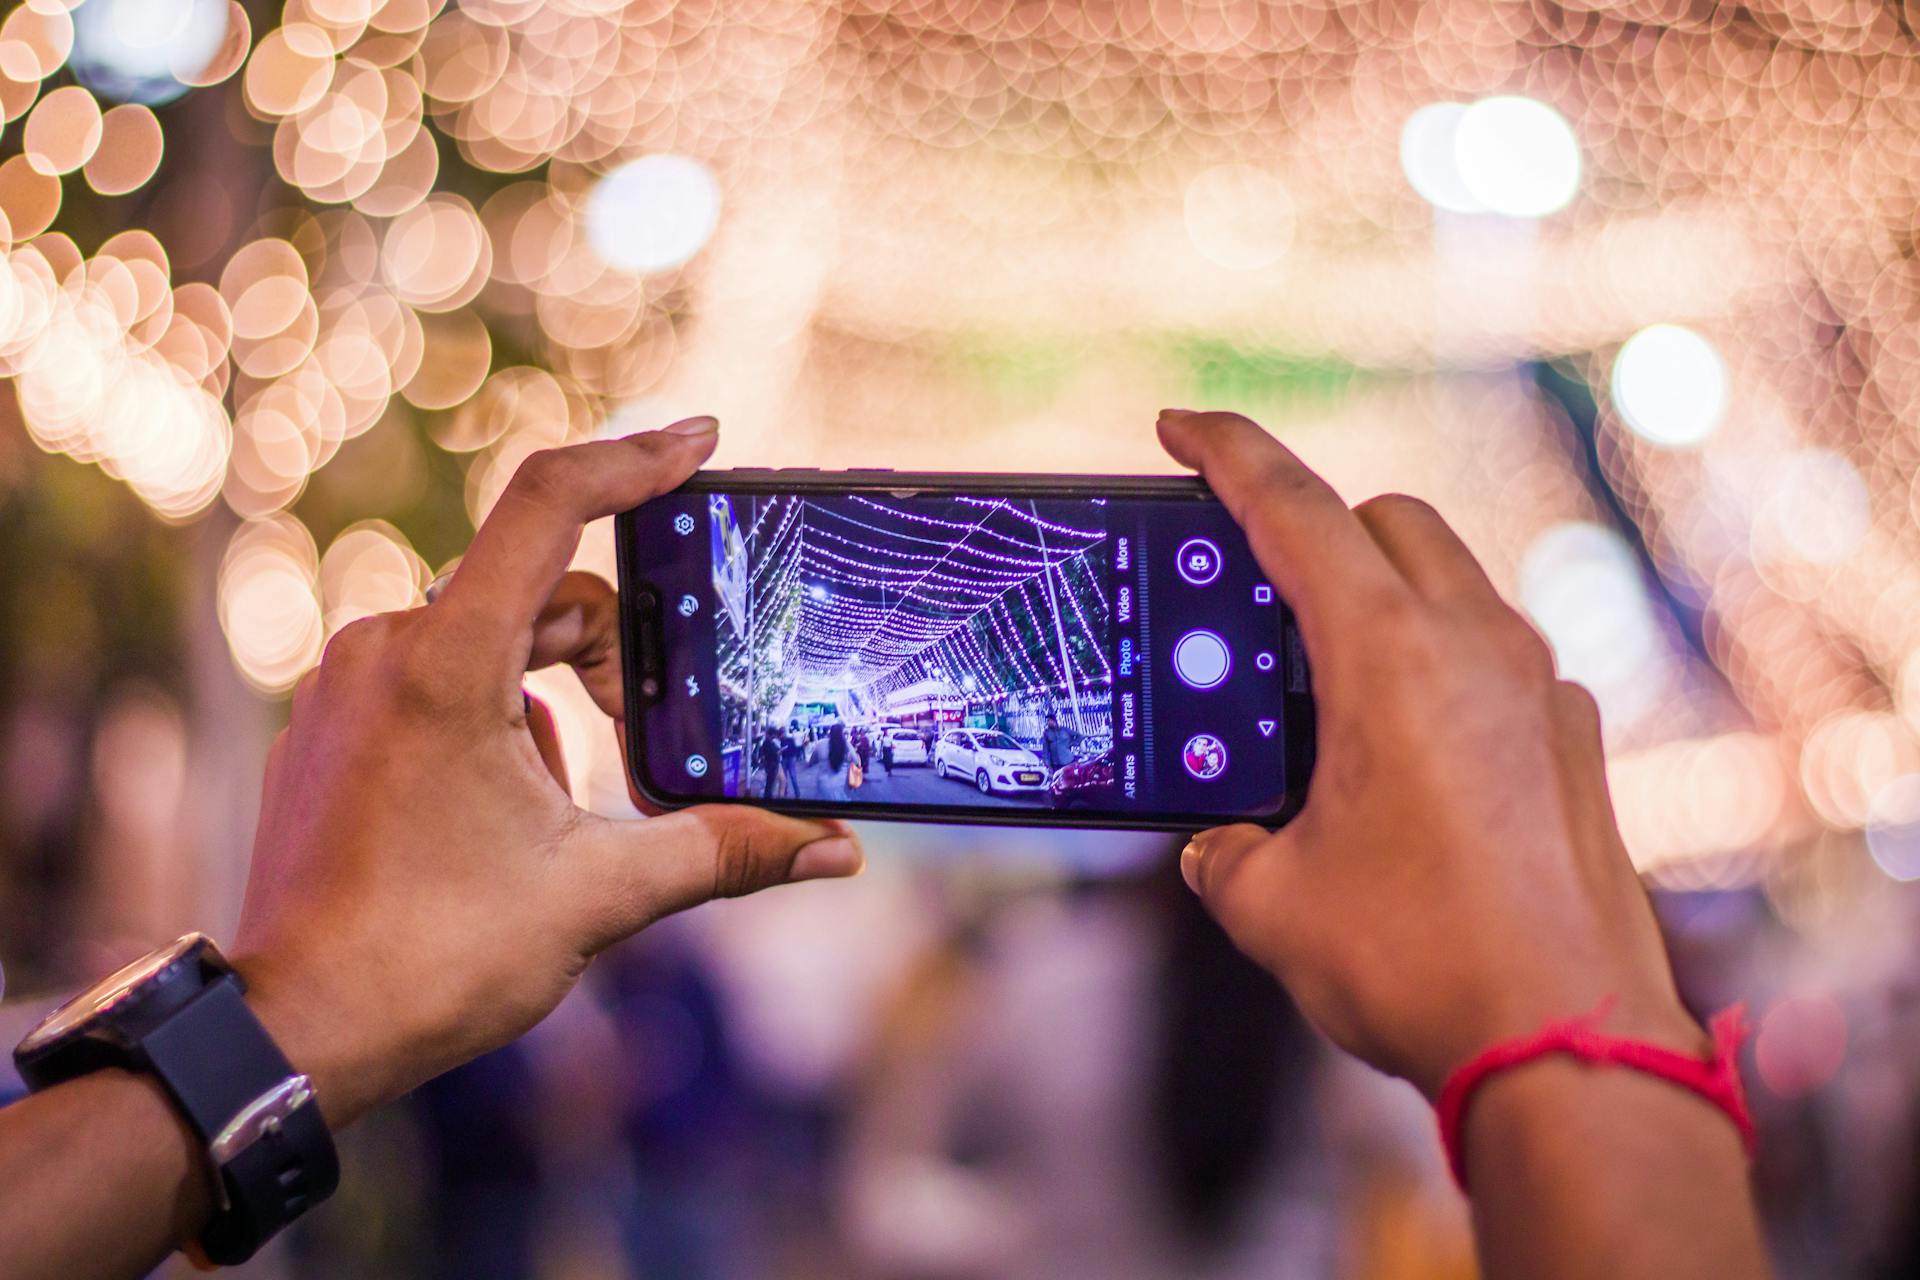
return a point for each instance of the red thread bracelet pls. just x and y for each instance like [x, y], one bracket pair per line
[1717, 1078]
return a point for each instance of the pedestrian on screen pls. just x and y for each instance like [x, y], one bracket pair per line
[836, 749]
[790, 760]
[767, 756]
[1057, 743]
[886, 751]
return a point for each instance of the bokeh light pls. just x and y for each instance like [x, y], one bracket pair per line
[369, 569]
[151, 51]
[1816, 508]
[1893, 827]
[1582, 587]
[1697, 798]
[1670, 385]
[270, 602]
[129, 152]
[653, 213]
[1506, 155]
[1516, 156]
[1429, 157]
[1801, 1042]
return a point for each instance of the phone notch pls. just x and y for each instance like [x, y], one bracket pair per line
[650, 643]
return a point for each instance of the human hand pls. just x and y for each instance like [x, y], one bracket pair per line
[423, 889]
[1456, 877]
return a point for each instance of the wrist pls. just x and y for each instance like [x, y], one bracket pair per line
[1711, 1077]
[1658, 1019]
[1550, 1104]
[344, 1072]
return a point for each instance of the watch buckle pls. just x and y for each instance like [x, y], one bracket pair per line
[259, 1119]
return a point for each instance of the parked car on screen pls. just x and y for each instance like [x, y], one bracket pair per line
[988, 759]
[1085, 784]
[908, 747]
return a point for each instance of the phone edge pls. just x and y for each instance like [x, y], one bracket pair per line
[748, 479]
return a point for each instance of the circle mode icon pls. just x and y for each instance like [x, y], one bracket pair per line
[1201, 659]
[1198, 561]
[1205, 756]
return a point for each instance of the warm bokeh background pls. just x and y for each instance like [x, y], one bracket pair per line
[1628, 290]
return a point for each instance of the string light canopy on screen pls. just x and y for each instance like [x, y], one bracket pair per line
[879, 598]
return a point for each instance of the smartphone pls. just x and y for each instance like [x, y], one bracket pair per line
[1086, 651]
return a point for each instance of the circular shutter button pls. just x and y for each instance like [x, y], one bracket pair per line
[1201, 659]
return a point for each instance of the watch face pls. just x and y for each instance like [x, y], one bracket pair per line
[104, 994]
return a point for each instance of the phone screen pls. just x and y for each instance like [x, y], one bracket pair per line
[1076, 658]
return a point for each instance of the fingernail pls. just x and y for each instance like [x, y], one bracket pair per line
[832, 858]
[1190, 865]
[704, 425]
[1176, 413]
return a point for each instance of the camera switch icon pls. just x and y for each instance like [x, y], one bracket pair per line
[1198, 561]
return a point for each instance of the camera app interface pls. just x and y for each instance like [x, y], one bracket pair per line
[1119, 657]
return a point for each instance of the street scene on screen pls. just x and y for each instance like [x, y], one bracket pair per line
[948, 650]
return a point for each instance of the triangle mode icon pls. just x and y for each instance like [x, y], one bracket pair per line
[1266, 728]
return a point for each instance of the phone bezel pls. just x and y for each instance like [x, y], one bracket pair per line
[1298, 717]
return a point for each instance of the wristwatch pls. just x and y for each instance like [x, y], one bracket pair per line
[178, 1015]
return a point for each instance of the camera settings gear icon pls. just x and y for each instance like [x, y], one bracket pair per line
[683, 524]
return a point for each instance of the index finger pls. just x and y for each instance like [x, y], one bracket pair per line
[523, 547]
[1314, 548]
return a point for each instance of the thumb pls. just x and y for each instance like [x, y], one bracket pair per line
[637, 872]
[1240, 874]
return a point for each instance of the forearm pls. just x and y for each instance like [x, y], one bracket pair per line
[99, 1180]
[1581, 1171]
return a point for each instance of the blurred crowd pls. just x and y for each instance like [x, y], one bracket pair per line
[993, 1055]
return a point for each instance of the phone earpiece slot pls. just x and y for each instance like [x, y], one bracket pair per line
[650, 640]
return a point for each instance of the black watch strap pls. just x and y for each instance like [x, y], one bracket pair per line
[264, 1133]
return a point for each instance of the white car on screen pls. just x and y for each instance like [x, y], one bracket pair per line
[908, 747]
[988, 759]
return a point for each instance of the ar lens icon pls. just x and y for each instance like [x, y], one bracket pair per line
[683, 524]
[688, 606]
